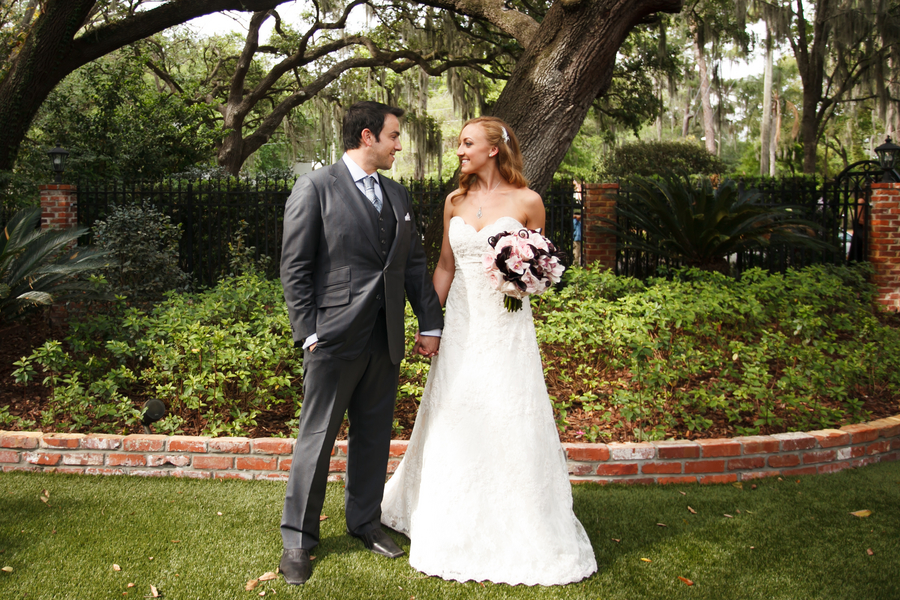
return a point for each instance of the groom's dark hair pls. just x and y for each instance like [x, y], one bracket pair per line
[365, 115]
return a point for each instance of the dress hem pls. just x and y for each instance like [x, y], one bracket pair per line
[448, 576]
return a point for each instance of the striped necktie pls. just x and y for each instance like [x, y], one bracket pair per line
[369, 183]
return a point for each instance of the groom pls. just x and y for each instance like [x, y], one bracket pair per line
[350, 251]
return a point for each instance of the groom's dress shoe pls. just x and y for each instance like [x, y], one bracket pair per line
[379, 542]
[295, 565]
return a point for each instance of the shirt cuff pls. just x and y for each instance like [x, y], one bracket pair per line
[310, 341]
[431, 333]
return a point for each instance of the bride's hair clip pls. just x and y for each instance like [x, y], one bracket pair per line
[505, 135]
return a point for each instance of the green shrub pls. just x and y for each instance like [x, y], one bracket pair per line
[217, 359]
[763, 354]
[696, 353]
[652, 158]
[145, 243]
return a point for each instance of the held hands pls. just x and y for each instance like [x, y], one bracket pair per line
[427, 345]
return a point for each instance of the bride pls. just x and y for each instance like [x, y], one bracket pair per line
[483, 491]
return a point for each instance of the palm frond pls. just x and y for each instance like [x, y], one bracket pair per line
[672, 217]
[40, 267]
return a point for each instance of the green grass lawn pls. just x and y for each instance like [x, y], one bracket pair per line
[791, 539]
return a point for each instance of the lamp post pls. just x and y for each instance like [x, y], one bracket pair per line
[887, 158]
[58, 158]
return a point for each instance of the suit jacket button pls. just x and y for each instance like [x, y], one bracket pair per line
[378, 297]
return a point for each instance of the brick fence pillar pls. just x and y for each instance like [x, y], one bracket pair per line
[599, 201]
[59, 208]
[884, 242]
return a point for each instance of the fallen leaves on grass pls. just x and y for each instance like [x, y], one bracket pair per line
[267, 576]
[251, 585]
[692, 511]
[130, 585]
[870, 552]
[616, 540]
[727, 516]
[861, 513]
[661, 525]
[7, 569]
[154, 593]
[685, 580]
[116, 567]
[646, 560]
[323, 517]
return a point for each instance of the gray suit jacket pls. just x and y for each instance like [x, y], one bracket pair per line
[333, 272]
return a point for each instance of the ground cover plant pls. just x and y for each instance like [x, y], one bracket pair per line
[690, 354]
[70, 536]
[699, 352]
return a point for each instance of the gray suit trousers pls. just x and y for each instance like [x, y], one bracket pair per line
[366, 388]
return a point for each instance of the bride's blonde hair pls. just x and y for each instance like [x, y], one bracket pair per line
[509, 157]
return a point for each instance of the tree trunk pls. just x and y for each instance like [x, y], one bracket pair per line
[686, 120]
[776, 136]
[566, 65]
[811, 66]
[709, 130]
[36, 71]
[765, 135]
[809, 131]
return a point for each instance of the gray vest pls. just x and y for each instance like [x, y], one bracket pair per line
[385, 224]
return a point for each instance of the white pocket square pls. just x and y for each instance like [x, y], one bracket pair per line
[406, 218]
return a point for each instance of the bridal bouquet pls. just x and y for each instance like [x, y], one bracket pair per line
[520, 263]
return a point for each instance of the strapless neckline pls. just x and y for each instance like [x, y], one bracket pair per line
[464, 222]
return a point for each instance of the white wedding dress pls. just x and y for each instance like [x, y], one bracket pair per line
[483, 490]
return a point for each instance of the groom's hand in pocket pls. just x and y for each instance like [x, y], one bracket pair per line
[427, 345]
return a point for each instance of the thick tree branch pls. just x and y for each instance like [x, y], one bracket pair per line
[519, 25]
[106, 38]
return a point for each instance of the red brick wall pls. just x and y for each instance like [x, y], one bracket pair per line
[599, 201]
[679, 461]
[884, 242]
[58, 206]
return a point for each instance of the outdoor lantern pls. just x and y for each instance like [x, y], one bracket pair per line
[58, 158]
[154, 410]
[887, 158]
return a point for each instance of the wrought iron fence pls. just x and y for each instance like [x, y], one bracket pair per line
[209, 212]
[839, 208]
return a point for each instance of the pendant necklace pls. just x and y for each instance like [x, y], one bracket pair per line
[478, 214]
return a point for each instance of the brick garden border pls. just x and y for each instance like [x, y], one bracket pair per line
[678, 461]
